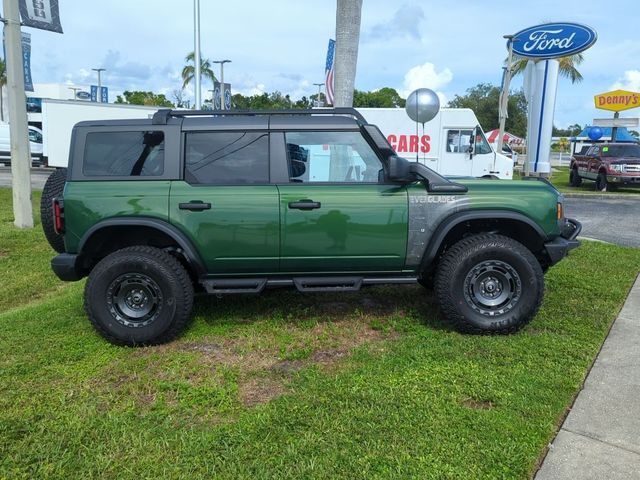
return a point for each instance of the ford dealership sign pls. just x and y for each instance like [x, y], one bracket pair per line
[553, 40]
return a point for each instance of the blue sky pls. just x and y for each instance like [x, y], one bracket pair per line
[281, 45]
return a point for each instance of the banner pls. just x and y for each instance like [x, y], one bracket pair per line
[42, 14]
[217, 97]
[103, 92]
[26, 61]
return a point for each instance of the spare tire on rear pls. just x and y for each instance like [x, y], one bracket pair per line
[53, 188]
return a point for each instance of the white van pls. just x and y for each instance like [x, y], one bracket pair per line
[452, 144]
[35, 144]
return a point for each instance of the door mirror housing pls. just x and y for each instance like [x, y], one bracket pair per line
[399, 170]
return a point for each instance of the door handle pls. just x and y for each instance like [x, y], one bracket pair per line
[304, 205]
[194, 205]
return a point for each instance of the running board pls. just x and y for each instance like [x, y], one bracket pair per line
[328, 284]
[234, 285]
[223, 286]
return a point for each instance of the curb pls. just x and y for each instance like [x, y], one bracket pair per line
[618, 196]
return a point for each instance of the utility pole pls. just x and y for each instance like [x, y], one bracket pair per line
[319, 85]
[20, 154]
[196, 52]
[99, 70]
[222, 62]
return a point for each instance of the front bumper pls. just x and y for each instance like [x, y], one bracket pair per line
[559, 247]
[624, 180]
[65, 266]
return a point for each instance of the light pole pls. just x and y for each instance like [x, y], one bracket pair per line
[196, 52]
[99, 95]
[75, 91]
[222, 62]
[319, 92]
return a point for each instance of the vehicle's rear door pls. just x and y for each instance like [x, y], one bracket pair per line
[226, 204]
[337, 213]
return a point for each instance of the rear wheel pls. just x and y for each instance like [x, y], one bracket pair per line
[139, 296]
[489, 284]
[53, 188]
[574, 178]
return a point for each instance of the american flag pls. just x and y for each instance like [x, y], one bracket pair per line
[328, 80]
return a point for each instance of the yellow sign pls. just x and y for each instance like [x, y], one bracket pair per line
[617, 100]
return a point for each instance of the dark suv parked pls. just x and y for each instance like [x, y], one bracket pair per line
[236, 202]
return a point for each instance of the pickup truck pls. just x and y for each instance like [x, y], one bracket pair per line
[608, 164]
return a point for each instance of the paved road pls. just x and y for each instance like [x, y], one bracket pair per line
[38, 177]
[612, 220]
[615, 220]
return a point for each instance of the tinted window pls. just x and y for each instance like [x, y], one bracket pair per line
[331, 157]
[227, 158]
[124, 154]
[621, 151]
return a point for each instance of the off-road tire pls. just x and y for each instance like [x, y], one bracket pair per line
[574, 178]
[53, 188]
[509, 259]
[601, 182]
[148, 269]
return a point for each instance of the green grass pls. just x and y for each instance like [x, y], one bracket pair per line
[560, 179]
[25, 274]
[285, 385]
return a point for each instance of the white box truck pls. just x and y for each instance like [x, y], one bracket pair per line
[453, 143]
[59, 117]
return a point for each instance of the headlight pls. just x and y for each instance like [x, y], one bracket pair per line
[618, 167]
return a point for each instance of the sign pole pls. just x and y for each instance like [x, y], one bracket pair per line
[504, 97]
[20, 154]
[614, 129]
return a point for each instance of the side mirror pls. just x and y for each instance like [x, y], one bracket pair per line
[399, 169]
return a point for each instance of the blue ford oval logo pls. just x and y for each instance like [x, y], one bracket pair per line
[553, 40]
[83, 95]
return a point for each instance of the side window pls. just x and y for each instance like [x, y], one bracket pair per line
[482, 146]
[595, 152]
[459, 141]
[227, 158]
[35, 136]
[124, 154]
[338, 157]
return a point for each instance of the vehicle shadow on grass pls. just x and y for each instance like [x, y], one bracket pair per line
[391, 304]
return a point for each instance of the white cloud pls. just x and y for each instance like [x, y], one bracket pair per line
[426, 76]
[405, 23]
[629, 81]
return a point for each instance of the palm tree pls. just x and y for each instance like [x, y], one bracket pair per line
[348, 13]
[568, 66]
[3, 82]
[188, 72]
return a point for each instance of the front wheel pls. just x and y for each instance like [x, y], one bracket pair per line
[601, 182]
[489, 284]
[139, 296]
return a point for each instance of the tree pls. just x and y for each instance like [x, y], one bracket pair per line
[483, 100]
[568, 66]
[144, 98]
[189, 70]
[3, 82]
[383, 98]
[180, 98]
[571, 131]
[348, 14]
[264, 101]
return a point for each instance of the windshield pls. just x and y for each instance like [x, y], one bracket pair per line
[621, 151]
[35, 136]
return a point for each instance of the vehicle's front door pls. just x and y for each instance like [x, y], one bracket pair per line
[226, 205]
[337, 213]
[457, 158]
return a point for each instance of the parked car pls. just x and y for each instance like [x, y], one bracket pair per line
[609, 165]
[35, 144]
[225, 202]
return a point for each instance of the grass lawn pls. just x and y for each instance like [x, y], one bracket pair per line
[560, 180]
[284, 385]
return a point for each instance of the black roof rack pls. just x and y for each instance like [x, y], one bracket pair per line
[162, 115]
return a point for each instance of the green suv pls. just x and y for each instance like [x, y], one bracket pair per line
[156, 210]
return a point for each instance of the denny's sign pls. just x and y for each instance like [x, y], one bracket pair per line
[617, 100]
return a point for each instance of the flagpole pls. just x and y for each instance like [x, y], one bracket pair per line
[196, 52]
[20, 155]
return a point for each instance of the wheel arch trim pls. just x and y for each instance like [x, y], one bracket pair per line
[452, 221]
[190, 252]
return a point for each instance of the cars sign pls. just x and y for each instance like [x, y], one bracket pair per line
[552, 40]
